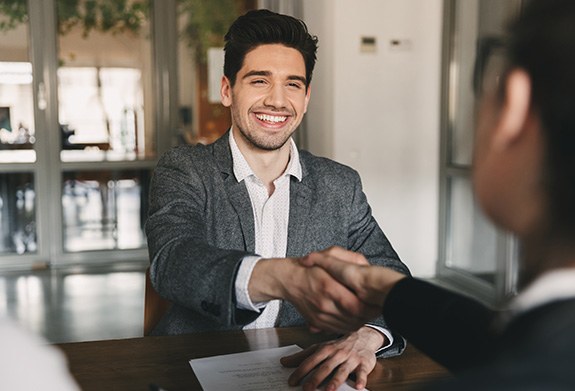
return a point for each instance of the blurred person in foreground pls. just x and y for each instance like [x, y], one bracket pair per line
[28, 362]
[524, 178]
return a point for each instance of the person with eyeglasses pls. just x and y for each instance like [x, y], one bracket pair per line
[524, 178]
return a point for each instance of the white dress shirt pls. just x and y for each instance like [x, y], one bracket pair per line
[271, 217]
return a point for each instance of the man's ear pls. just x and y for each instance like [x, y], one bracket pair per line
[515, 110]
[226, 92]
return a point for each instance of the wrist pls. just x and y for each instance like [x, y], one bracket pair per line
[267, 281]
[373, 339]
[378, 285]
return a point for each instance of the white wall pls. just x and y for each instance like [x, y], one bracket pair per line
[379, 112]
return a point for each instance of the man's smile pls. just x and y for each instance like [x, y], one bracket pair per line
[271, 119]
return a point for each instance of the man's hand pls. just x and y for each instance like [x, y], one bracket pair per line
[353, 353]
[323, 301]
[370, 283]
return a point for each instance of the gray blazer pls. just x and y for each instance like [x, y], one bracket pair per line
[201, 226]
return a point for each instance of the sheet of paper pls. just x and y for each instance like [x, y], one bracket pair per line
[258, 370]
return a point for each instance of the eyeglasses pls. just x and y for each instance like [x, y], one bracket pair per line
[490, 65]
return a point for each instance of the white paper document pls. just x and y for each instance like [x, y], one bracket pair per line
[258, 370]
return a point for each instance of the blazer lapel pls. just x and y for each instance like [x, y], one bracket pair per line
[301, 194]
[299, 211]
[237, 192]
[240, 200]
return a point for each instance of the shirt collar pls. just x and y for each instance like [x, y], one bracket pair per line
[552, 286]
[242, 169]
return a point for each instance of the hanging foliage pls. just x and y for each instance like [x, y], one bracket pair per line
[206, 23]
[108, 16]
[12, 13]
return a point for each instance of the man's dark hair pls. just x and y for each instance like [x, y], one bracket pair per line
[542, 42]
[261, 27]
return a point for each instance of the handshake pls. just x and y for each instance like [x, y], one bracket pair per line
[337, 291]
[343, 291]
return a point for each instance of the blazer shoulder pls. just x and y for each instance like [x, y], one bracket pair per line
[185, 156]
[186, 151]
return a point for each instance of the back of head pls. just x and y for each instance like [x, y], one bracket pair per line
[260, 27]
[542, 42]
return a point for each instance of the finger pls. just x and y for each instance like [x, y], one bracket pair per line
[353, 309]
[345, 283]
[332, 296]
[355, 278]
[328, 319]
[305, 261]
[308, 365]
[339, 377]
[361, 377]
[335, 252]
[348, 256]
[293, 360]
[340, 313]
[323, 372]
[314, 330]
[342, 271]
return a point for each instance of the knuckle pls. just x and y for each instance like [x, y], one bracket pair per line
[343, 356]
[324, 306]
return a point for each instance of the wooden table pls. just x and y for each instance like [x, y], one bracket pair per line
[134, 364]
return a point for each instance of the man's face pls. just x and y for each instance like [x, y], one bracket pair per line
[269, 97]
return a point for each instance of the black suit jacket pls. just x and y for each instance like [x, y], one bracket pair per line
[534, 351]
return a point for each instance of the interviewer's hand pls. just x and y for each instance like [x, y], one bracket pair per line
[370, 283]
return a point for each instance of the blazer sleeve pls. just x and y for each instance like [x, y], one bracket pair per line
[367, 238]
[185, 268]
[454, 330]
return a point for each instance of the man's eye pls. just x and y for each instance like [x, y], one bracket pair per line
[295, 85]
[258, 81]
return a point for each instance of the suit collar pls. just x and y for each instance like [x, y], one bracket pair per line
[223, 155]
[554, 285]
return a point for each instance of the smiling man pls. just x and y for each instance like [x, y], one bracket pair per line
[228, 221]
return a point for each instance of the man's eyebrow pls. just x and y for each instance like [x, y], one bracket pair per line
[298, 78]
[256, 73]
[268, 73]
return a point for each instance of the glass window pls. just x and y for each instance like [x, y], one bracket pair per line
[473, 253]
[16, 98]
[473, 238]
[17, 214]
[104, 210]
[105, 80]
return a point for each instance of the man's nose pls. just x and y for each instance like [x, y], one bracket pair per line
[276, 97]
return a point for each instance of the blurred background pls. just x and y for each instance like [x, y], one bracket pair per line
[92, 92]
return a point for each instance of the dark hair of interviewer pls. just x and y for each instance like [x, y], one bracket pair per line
[542, 42]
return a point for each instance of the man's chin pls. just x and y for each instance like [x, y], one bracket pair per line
[268, 144]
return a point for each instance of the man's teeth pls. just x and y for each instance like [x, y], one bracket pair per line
[271, 118]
